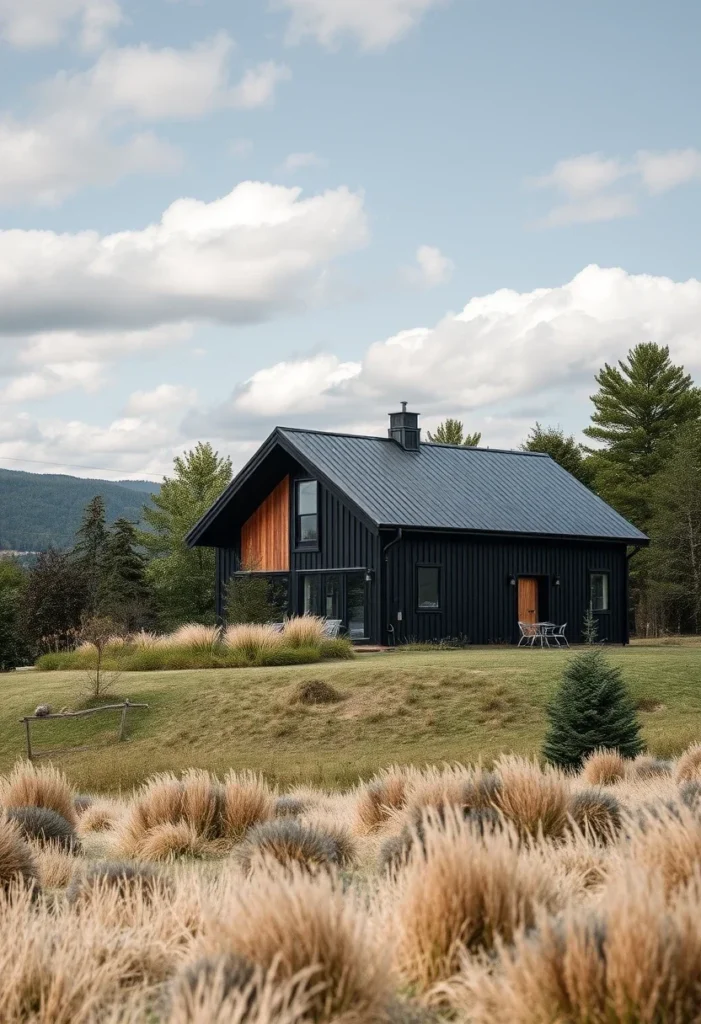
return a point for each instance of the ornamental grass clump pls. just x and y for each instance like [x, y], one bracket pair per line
[460, 896]
[596, 813]
[603, 767]
[45, 827]
[591, 709]
[534, 799]
[248, 800]
[252, 639]
[646, 767]
[195, 637]
[688, 766]
[304, 923]
[101, 816]
[635, 959]
[18, 867]
[173, 817]
[666, 842]
[303, 631]
[287, 842]
[377, 799]
[32, 786]
[128, 880]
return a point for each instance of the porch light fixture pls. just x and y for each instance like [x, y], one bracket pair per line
[369, 575]
[511, 581]
[556, 581]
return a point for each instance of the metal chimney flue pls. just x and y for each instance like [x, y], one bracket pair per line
[404, 429]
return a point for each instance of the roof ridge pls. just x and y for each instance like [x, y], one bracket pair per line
[424, 444]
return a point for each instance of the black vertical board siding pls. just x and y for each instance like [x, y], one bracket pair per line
[344, 543]
[477, 599]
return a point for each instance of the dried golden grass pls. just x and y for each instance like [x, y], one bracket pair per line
[101, 816]
[195, 636]
[306, 923]
[56, 867]
[458, 894]
[29, 785]
[57, 967]
[145, 641]
[385, 792]
[248, 800]
[596, 813]
[635, 960]
[603, 768]
[218, 998]
[303, 631]
[688, 767]
[250, 638]
[666, 842]
[534, 799]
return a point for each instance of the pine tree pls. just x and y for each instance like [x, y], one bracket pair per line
[564, 450]
[183, 579]
[13, 651]
[89, 550]
[591, 709]
[674, 557]
[452, 432]
[124, 590]
[639, 408]
[590, 627]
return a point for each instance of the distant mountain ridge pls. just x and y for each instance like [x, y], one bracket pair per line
[43, 510]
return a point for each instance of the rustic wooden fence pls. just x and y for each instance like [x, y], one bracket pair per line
[28, 719]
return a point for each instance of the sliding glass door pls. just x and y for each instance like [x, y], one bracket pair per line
[339, 596]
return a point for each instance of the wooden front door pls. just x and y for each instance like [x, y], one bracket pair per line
[527, 599]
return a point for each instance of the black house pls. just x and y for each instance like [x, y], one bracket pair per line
[403, 540]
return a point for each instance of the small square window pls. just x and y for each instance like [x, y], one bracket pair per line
[428, 587]
[599, 591]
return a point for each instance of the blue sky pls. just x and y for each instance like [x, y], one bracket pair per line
[466, 205]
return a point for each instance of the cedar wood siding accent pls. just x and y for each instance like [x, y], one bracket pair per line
[476, 598]
[344, 543]
[265, 537]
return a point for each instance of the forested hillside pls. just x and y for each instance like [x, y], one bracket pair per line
[39, 511]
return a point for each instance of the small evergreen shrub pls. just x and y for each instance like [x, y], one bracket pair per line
[591, 709]
[45, 826]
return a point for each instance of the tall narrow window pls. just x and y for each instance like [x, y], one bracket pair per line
[599, 591]
[428, 587]
[307, 513]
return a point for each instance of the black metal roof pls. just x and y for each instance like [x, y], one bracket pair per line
[445, 487]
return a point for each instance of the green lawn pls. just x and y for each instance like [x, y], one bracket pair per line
[400, 707]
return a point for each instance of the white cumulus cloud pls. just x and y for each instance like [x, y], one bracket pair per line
[374, 24]
[432, 268]
[586, 181]
[29, 24]
[507, 359]
[260, 249]
[88, 127]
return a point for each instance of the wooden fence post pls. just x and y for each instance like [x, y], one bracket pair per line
[123, 724]
[29, 739]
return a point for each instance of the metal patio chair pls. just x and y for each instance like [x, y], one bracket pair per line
[332, 628]
[529, 633]
[558, 635]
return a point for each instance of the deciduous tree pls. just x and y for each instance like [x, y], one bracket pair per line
[182, 578]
